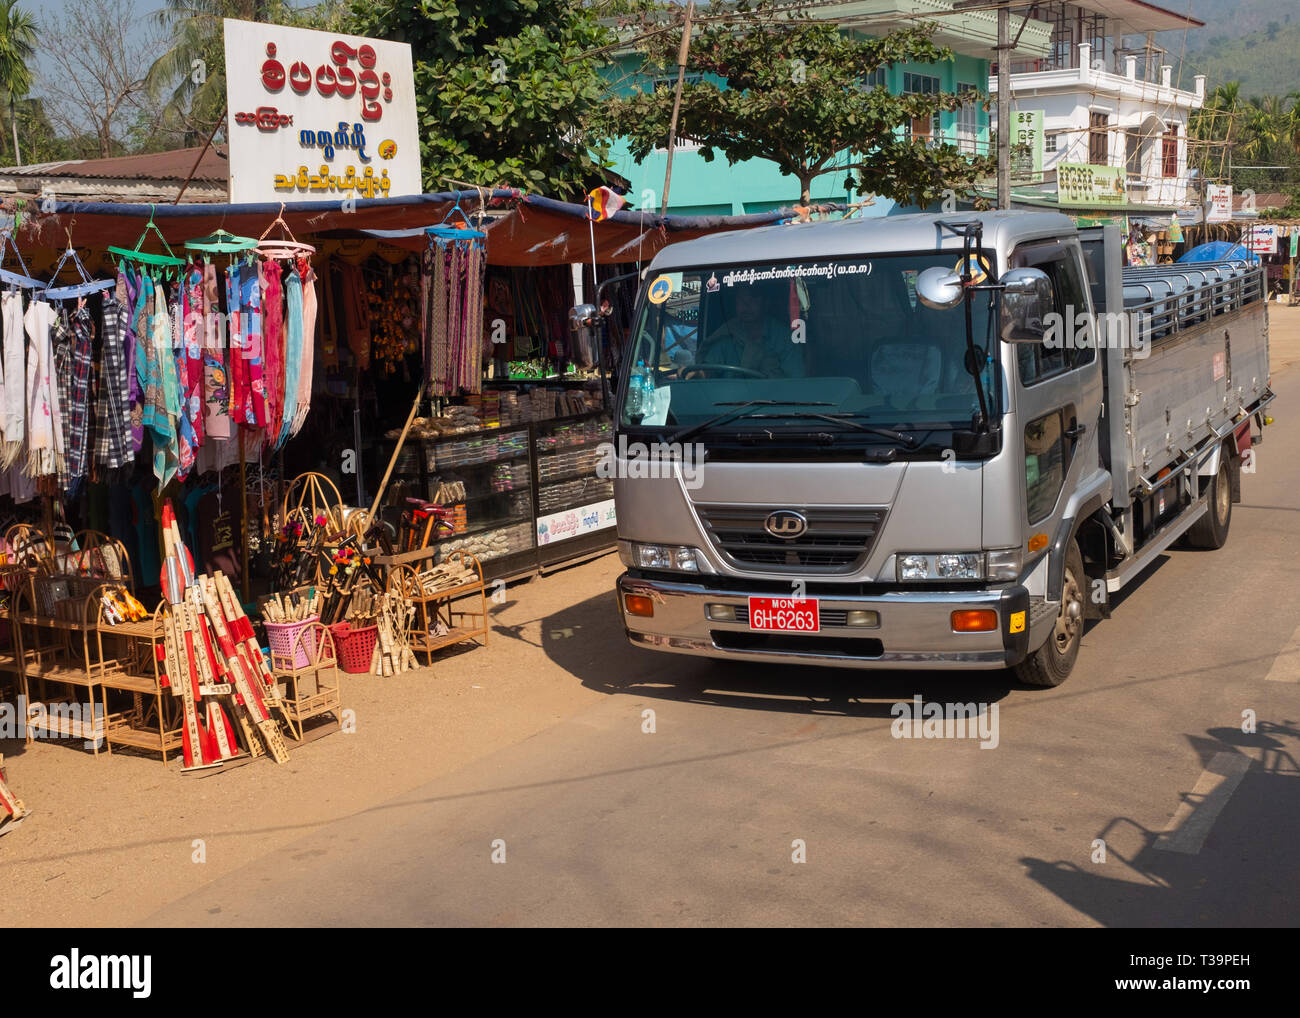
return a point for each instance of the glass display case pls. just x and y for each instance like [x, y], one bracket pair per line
[521, 498]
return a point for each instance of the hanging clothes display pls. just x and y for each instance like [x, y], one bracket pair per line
[454, 264]
[272, 346]
[309, 313]
[44, 438]
[293, 350]
[112, 412]
[89, 371]
[13, 414]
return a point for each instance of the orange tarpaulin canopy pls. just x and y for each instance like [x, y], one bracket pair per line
[523, 231]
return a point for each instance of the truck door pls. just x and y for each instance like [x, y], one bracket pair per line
[1058, 392]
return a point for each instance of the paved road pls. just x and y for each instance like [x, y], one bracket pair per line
[697, 823]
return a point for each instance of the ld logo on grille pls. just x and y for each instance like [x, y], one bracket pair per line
[785, 523]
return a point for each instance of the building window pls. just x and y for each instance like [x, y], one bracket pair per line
[670, 80]
[879, 78]
[922, 84]
[1049, 143]
[1169, 151]
[925, 84]
[967, 117]
[1098, 129]
[1133, 157]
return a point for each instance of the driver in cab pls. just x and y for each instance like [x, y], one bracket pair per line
[757, 342]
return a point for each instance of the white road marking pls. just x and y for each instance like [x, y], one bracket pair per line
[1190, 826]
[1286, 666]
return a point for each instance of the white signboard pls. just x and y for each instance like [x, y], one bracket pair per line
[572, 522]
[1218, 203]
[318, 116]
[1261, 240]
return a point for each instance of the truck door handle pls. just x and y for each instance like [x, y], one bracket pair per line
[1075, 431]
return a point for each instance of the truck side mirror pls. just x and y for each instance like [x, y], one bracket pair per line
[939, 288]
[1026, 301]
[583, 316]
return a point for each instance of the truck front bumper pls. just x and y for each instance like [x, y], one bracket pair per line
[914, 631]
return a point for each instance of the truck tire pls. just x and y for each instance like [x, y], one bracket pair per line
[1211, 530]
[1051, 664]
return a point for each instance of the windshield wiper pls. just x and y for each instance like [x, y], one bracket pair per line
[910, 441]
[737, 411]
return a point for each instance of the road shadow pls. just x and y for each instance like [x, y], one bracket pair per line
[1244, 872]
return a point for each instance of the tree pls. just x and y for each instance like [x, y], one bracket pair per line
[190, 73]
[778, 85]
[17, 49]
[504, 92]
[96, 83]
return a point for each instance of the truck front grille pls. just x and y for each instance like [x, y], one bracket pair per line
[838, 539]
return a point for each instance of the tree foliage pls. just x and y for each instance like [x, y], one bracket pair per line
[504, 91]
[779, 85]
[17, 48]
[189, 73]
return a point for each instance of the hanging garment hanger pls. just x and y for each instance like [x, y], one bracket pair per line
[14, 278]
[221, 242]
[87, 285]
[287, 246]
[449, 231]
[169, 260]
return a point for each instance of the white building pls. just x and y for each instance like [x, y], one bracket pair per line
[1109, 98]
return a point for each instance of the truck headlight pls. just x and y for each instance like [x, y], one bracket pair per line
[947, 565]
[1004, 564]
[680, 558]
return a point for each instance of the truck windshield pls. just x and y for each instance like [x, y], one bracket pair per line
[843, 337]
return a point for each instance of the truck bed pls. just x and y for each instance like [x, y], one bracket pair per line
[1205, 362]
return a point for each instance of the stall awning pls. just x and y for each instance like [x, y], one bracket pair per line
[533, 231]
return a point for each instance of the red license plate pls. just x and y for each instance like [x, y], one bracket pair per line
[785, 614]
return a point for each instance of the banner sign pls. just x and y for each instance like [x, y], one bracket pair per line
[1218, 203]
[573, 522]
[1027, 137]
[1260, 240]
[315, 116]
[1086, 185]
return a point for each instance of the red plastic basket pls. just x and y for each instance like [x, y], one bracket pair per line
[356, 646]
[282, 639]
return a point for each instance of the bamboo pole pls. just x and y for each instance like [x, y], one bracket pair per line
[392, 460]
[245, 565]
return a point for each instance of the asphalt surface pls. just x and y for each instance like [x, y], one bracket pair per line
[597, 821]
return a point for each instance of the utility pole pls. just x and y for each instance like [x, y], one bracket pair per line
[1004, 107]
[677, 101]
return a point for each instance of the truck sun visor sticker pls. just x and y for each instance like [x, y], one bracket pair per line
[827, 270]
[660, 290]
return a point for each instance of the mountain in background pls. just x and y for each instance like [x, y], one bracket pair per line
[1256, 42]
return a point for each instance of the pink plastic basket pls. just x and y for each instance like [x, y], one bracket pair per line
[282, 638]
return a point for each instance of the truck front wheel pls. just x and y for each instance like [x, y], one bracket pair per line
[1052, 663]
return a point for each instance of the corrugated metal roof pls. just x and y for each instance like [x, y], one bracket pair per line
[173, 165]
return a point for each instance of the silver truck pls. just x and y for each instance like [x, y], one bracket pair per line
[923, 441]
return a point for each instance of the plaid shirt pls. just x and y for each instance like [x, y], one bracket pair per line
[113, 409]
[75, 359]
[61, 338]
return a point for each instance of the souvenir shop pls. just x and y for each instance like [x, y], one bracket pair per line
[236, 463]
